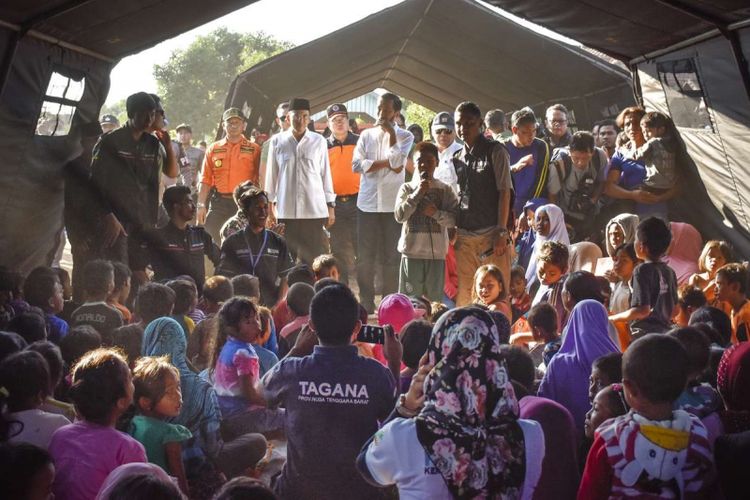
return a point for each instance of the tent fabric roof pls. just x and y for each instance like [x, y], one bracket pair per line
[437, 53]
[627, 30]
[113, 29]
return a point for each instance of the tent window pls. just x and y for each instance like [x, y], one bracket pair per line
[59, 106]
[684, 93]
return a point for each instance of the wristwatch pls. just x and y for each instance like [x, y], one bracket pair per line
[331, 204]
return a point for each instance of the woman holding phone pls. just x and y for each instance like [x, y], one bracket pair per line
[460, 416]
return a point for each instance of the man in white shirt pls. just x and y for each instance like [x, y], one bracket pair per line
[380, 156]
[299, 185]
[444, 133]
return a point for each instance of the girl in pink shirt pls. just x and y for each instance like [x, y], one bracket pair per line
[87, 451]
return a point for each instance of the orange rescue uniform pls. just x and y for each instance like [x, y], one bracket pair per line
[741, 324]
[345, 182]
[228, 164]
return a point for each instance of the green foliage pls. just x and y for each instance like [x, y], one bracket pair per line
[194, 82]
[416, 113]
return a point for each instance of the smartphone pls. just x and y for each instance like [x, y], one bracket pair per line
[371, 334]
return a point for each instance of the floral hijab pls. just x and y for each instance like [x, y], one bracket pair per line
[468, 423]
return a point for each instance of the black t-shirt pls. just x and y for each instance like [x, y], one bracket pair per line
[654, 285]
[174, 252]
[240, 255]
[126, 173]
[103, 317]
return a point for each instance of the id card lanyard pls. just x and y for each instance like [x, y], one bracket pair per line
[255, 259]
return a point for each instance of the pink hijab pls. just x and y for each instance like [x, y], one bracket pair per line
[684, 252]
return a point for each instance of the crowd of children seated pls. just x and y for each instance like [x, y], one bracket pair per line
[580, 376]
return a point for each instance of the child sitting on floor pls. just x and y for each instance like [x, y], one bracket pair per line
[98, 283]
[551, 269]
[489, 290]
[185, 300]
[325, 266]
[44, 290]
[520, 300]
[699, 399]
[624, 261]
[609, 402]
[158, 397]
[652, 451]
[714, 256]
[652, 304]
[542, 320]
[690, 298]
[86, 451]
[605, 370]
[731, 287]
[25, 379]
[121, 292]
[235, 370]
[414, 337]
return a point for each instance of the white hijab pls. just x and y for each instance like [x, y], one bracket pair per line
[557, 232]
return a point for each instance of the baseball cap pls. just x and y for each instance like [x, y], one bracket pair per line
[397, 310]
[336, 109]
[185, 126]
[109, 120]
[443, 120]
[140, 101]
[233, 113]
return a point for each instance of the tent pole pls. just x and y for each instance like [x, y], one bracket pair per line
[637, 91]
[8, 57]
[739, 57]
[724, 29]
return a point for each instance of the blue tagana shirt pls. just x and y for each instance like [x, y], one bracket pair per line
[341, 397]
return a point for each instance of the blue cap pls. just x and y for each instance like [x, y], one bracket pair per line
[443, 120]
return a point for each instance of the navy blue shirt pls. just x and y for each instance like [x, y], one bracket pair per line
[334, 401]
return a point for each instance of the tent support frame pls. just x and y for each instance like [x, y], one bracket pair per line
[725, 30]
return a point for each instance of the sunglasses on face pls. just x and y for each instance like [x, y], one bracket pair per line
[443, 131]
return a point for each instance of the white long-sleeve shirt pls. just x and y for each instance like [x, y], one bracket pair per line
[445, 171]
[298, 176]
[378, 190]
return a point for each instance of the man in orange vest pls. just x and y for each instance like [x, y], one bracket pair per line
[227, 163]
[341, 145]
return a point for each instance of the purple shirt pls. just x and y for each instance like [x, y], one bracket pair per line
[85, 454]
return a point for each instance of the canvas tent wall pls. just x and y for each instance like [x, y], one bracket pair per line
[690, 59]
[436, 53]
[55, 53]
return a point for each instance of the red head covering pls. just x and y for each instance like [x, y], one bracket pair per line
[733, 381]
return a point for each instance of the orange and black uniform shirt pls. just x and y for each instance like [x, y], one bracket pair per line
[345, 182]
[228, 164]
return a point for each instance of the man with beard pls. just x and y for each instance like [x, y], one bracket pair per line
[256, 250]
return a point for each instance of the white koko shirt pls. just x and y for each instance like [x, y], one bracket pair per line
[378, 190]
[298, 176]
